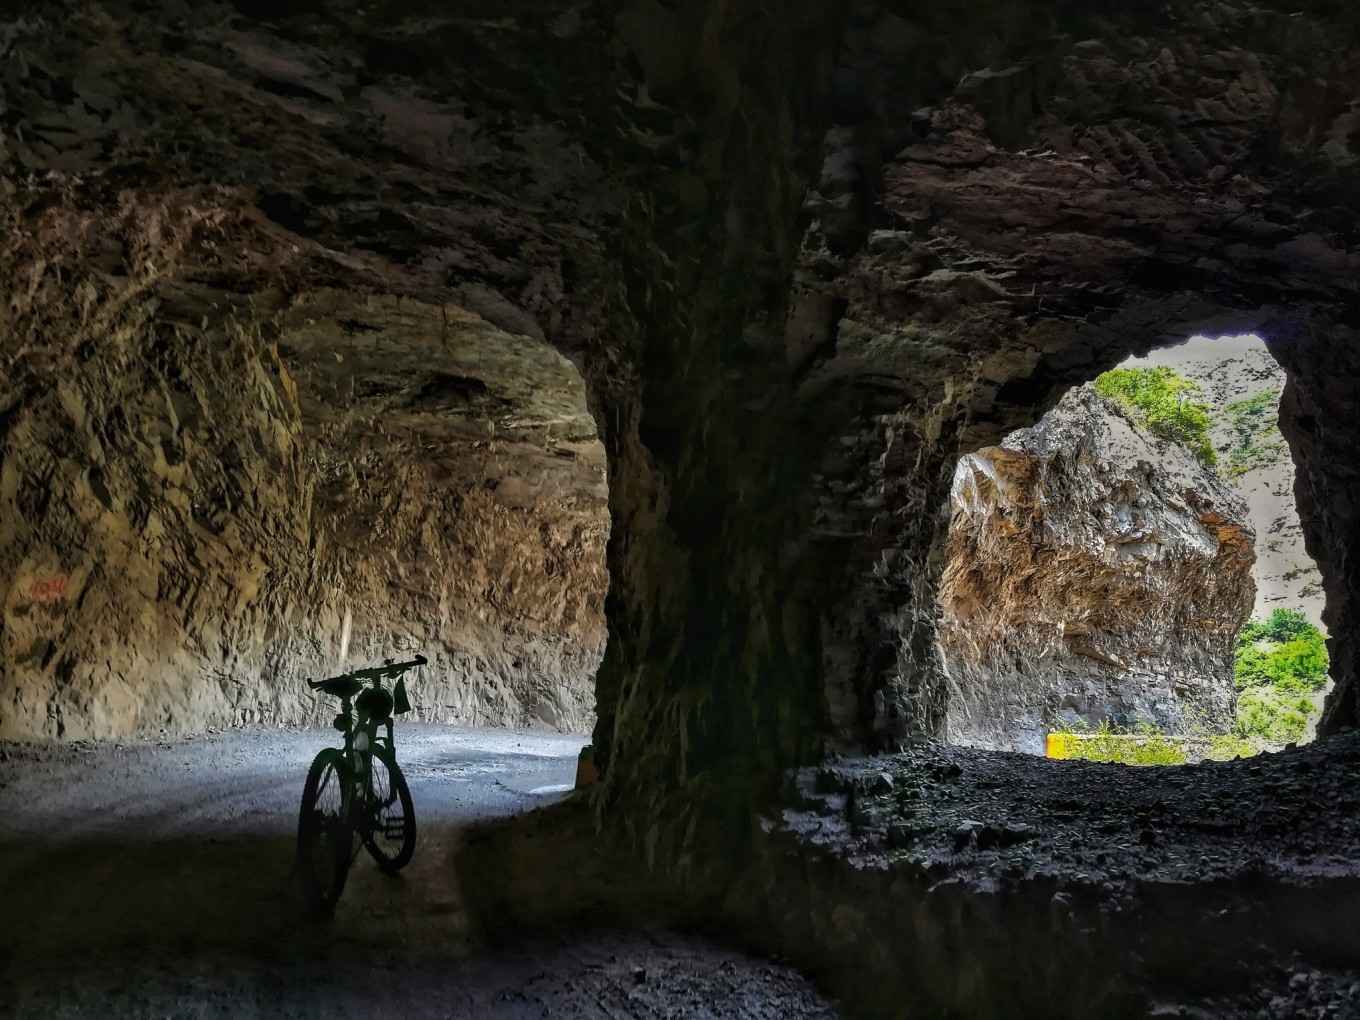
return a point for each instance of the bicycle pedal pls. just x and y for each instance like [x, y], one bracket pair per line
[394, 828]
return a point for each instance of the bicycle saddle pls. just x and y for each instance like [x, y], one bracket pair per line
[342, 686]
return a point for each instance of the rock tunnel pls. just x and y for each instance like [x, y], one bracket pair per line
[403, 313]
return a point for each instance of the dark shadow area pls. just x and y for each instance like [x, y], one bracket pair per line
[154, 880]
[1011, 886]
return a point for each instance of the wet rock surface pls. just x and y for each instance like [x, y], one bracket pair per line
[972, 815]
[1095, 573]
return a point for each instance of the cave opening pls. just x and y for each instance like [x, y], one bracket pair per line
[1127, 579]
[277, 498]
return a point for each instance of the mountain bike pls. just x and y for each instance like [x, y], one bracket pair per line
[357, 789]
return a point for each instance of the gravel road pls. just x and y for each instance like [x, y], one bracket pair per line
[150, 879]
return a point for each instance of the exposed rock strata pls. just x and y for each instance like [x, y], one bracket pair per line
[1255, 458]
[197, 490]
[1095, 574]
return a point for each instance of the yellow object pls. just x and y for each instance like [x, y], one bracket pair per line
[1061, 745]
[1119, 748]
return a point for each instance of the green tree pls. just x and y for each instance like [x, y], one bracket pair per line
[1276, 664]
[1286, 625]
[1165, 403]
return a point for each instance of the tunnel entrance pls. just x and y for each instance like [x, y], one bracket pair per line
[1127, 580]
[204, 506]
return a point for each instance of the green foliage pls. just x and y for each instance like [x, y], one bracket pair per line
[1165, 403]
[1271, 716]
[1256, 414]
[1143, 744]
[1277, 663]
[1288, 624]
[1254, 422]
[1227, 746]
[1286, 653]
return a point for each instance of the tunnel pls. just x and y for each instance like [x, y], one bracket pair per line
[617, 358]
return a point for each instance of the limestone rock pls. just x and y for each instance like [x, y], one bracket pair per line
[1095, 573]
[1243, 391]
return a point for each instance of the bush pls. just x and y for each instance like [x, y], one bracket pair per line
[1143, 744]
[1272, 717]
[1257, 441]
[1227, 746]
[1163, 402]
[1277, 662]
[1288, 624]
[1295, 662]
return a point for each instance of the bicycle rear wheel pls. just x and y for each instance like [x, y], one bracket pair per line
[324, 839]
[390, 829]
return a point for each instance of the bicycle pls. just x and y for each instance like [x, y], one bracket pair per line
[358, 788]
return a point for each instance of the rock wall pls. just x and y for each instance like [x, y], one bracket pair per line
[1242, 385]
[997, 221]
[1095, 574]
[805, 257]
[197, 489]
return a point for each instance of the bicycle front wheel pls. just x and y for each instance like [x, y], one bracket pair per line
[390, 832]
[324, 839]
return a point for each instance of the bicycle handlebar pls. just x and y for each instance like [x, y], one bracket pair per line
[388, 670]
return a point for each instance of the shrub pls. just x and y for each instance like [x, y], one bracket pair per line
[1227, 746]
[1277, 662]
[1143, 744]
[1288, 624]
[1272, 717]
[1258, 442]
[1286, 653]
[1165, 403]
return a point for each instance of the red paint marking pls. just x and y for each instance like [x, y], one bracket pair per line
[46, 589]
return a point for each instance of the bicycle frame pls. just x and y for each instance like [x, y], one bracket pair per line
[384, 820]
[362, 737]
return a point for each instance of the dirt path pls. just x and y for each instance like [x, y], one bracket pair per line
[150, 880]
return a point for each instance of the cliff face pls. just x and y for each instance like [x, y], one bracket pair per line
[196, 495]
[1242, 385]
[1094, 573]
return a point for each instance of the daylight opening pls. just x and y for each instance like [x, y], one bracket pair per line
[1127, 580]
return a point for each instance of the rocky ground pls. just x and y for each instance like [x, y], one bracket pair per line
[1125, 861]
[149, 879]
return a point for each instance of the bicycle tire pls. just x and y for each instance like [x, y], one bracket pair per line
[389, 838]
[325, 839]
